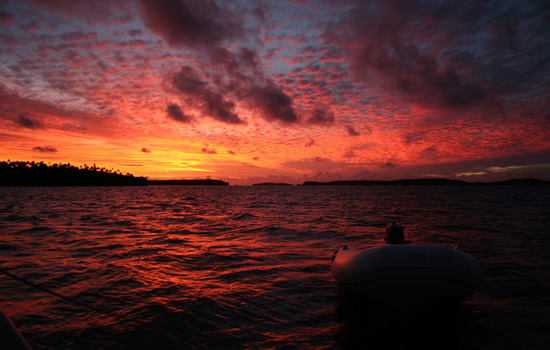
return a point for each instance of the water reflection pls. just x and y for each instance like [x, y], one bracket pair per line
[241, 267]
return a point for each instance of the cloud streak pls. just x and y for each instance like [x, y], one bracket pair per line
[45, 149]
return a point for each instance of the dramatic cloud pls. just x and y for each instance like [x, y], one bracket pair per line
[28, 123]
[198, 93]
[238, 64]
[273, 104]
[249, 84]
[388, 41]
[367, 85]
[46, 149]
[174, 111]
[5, 18]
[191, 23]
[418, 76]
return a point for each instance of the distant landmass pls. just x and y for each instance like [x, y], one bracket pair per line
[208, 182]
[42, 174]
[16, 173]
[423, 182]
[272, 184]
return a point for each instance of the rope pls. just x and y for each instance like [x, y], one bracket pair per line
[64, 297]
[252, 337]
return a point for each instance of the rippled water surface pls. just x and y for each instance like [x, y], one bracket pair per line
[248, 267]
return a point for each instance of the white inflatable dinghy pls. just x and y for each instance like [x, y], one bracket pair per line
[407, 269]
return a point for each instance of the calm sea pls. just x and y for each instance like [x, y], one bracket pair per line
[171, 267]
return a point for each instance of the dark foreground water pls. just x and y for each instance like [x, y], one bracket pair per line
[248, 267]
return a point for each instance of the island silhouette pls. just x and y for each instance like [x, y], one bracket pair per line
[30, 173]
[17, 173]
[425, 181]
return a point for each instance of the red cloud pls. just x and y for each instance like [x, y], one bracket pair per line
[321, 116]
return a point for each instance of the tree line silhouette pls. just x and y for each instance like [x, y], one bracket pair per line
[17, 173]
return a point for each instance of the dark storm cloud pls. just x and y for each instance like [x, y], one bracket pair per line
[385, 46]
[145, 150]
[28, 123]
[197, 91]
[249, 58]
[194, 23]
[244, 82]
[321, 116]
[247, 82]
[6, 19]
[273, 104]
[235, 63]
[504, 35]
[174, 111]
[450, 56]
[351, 131]
[203, 27]
[180, 23]
[46, 149]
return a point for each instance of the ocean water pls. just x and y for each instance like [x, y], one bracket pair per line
[170, 267]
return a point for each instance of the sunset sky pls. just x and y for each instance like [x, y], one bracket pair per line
[279, 91]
